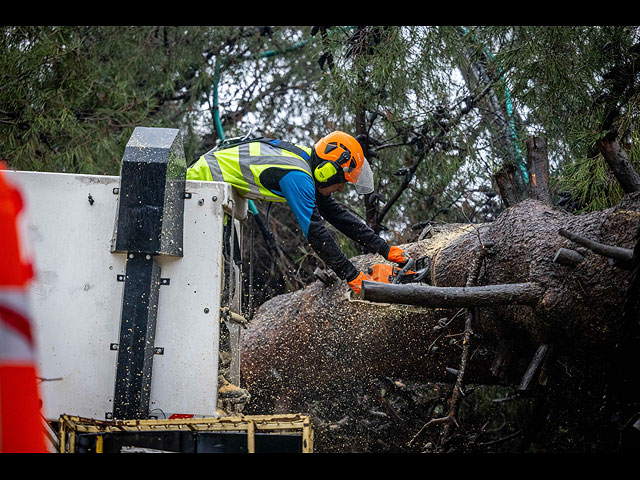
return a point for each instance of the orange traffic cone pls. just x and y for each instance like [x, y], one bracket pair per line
[21, 424]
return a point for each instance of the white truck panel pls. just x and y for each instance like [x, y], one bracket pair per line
[76, 299]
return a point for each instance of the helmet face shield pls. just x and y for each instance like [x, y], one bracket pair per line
[363, 178]
[345, 152]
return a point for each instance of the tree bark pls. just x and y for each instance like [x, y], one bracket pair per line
[619, 164]
[318, 340]
[508, 185]
[538, 166]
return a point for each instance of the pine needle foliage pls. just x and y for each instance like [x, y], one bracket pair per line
[72, 95]
[569, 82]
[458, 102]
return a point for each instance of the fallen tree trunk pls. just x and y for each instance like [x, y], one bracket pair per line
[317, 339]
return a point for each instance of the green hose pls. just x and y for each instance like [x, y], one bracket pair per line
[509, 108]
[216, 107]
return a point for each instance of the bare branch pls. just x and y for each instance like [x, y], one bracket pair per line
[427, 148]
[621, 255]
[430, 296]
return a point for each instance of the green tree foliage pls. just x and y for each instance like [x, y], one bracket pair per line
[439, 109]
[71, 96]
[404, 89]
[574, 85]
[451, 105]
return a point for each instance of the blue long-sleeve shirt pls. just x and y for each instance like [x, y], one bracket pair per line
[299, 191]
[310, 207]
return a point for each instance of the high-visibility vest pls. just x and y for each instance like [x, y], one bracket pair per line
[241, 165]
[21, 423]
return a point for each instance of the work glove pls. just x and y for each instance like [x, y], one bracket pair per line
[397, 255]
[356, 283]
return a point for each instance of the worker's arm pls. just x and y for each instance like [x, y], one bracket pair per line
[299, 191]
[350, 225]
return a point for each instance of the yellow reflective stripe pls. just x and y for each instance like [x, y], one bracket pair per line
[229, 161]
[244, 176]
[200, 171]
[287, 153]
[254, 149]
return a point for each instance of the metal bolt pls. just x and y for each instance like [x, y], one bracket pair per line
[214, 198]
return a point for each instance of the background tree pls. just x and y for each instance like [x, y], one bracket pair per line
[443, 112]
[71, 96]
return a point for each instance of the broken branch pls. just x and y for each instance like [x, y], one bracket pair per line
[538, 166]
[568, 257]
[508, 187]
[472, 280]
[622, 256]
[535, 364]
[619, 164]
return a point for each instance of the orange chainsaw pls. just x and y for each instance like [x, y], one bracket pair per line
[414, 271]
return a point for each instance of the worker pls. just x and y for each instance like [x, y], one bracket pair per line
[305, 178]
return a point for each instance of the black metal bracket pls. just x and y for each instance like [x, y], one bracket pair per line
[149, 223]
[163, 281]
[137, 335]
[150, 211]
[156, 350]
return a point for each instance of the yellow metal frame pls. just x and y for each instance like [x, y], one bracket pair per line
[287, 423]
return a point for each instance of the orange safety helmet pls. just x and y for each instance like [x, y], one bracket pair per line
[341, 159]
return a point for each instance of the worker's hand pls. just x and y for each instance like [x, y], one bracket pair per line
[356, 283]
[397, 255]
